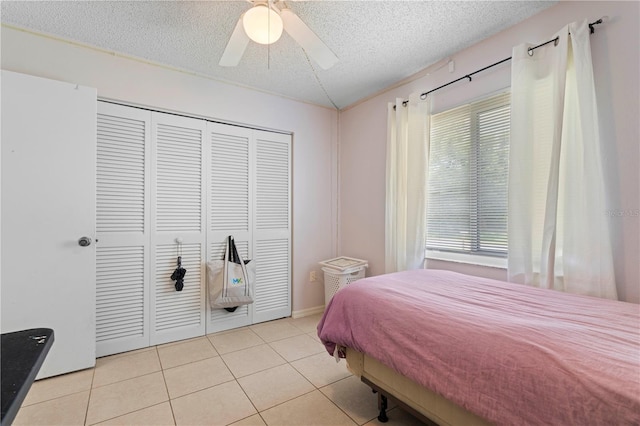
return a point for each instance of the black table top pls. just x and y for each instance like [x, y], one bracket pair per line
[23, 353]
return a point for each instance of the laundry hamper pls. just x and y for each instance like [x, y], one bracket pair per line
[339, 272]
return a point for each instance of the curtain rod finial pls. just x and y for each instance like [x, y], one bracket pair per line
[599, 21]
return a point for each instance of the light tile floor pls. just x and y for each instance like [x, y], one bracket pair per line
[275, 373]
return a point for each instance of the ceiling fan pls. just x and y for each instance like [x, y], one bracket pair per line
[263, 23]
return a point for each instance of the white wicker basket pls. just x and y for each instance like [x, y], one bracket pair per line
[334, 280]
[345, 264]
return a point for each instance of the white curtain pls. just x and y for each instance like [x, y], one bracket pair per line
[407, 150]
[558, 234]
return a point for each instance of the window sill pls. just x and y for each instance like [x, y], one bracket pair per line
[471, 259]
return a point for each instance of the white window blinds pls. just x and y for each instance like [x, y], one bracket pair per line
[468, 170]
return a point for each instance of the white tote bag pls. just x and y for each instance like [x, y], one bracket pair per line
[230, 280]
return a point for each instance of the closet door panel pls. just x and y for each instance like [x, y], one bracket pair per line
[272, 235]
[121, 322]
[272, 183]
[229, 206]
[230, 190]
[178, 309]
[121, 171]
[273, 290]
[178, 178]
[122, 229]
[178, 219]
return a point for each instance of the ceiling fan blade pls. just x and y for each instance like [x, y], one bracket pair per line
[235, 47]
[309, 41]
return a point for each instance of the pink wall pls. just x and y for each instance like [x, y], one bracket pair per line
[615, 50]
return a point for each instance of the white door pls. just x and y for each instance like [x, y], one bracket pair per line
[48, 204]
[272, 228]
[122, 222]
[178, 199]
[230, 207]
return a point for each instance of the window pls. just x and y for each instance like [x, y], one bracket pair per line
[468, 171]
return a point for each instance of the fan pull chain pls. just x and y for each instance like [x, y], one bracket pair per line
[315, 74]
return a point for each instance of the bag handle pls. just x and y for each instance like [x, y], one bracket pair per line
[225, 273]
[235, 257]
[238, 260]
[231, 255]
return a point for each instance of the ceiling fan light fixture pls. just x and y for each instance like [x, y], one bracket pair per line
[262, 24]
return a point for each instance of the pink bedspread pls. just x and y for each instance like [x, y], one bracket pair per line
[512, 354]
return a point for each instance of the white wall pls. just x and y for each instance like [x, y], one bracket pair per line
[314, 129]
[615, 51]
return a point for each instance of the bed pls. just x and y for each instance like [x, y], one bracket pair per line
[465, 350]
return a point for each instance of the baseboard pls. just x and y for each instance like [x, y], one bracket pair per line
[307, 312]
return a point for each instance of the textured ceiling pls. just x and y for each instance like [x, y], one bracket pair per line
[378, 43]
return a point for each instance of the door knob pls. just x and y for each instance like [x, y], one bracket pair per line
[84, 241]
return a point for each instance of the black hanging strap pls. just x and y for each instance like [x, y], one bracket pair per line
[233, 258]
[178, 275]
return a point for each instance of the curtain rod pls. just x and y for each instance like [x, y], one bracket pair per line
[530, 51]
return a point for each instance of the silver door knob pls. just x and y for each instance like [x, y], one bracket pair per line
[84, 241]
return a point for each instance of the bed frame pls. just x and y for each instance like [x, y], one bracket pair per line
[424, 404]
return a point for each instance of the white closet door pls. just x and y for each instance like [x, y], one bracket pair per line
[178, 214]
[165, 179]
[230, 208]
[122, 229]
[272, 229]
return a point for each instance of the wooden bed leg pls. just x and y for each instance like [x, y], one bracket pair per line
[382, 406]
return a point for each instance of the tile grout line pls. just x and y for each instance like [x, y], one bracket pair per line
[237, 350]
[249, 399]
[86, 411]
[317, 387]
[133, 378]
[166, 387]
[127, 379]
[155, 348]
[345, 413]
[340, 408]
[257, 371]
[241, 388]
[200, 390]
[289, 400]
[59, 396]
[130, 412]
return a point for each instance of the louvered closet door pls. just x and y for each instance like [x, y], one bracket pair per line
[122, 229]
[230, 212]
[272, 228]
[178, 214]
